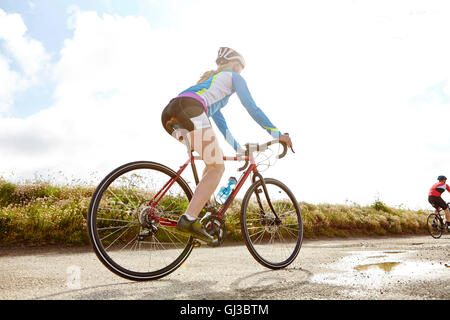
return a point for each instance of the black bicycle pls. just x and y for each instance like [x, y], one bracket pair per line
[435, 223]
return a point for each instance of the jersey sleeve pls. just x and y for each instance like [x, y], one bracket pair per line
[222, 125]
[240, 86]
[447, 187]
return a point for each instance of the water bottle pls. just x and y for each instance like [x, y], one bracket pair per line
[224, 192]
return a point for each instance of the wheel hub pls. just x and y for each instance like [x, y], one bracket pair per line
[145, 217]
[271, 224]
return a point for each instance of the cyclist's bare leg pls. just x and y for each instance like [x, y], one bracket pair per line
[205, 143]
[208, 202]
[447, 215]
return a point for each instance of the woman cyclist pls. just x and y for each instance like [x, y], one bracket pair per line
[189, 112]
[434, 197]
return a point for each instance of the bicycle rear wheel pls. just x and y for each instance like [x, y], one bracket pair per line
[435, 225]
[274, 243]
[128, 232]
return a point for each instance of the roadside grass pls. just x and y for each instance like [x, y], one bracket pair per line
[39, 213]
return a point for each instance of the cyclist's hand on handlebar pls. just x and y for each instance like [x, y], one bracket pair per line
[284, 138]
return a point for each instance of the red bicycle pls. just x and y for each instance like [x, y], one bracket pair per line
[133, 214]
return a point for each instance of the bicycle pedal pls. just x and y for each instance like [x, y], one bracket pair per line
[197, 243]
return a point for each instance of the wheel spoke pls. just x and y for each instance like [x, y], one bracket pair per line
[130, 243]
[273, 242]
[434, 225]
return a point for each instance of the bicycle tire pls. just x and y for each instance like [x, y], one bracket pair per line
[434, 226]
[250, 219]
[108, 258]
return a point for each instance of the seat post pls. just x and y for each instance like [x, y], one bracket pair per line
[194, 168]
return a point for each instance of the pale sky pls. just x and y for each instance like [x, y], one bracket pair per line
[362, 87]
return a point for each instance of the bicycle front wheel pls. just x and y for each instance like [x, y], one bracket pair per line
[130, 232]
[435, 225]
[273, 242]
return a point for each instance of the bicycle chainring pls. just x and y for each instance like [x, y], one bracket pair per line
[215, 226]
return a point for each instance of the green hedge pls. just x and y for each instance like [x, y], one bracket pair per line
[38, 213]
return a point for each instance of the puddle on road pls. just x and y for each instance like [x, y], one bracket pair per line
[385, 266]
[375, 269]
[387, 252]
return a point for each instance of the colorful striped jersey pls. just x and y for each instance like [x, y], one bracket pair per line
[214, 94]
[438, 188]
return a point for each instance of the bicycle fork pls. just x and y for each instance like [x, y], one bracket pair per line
[256, 174]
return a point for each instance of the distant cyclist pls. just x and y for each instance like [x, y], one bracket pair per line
[434, 197]
[191, 110]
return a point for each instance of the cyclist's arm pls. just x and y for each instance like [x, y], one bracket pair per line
[447, 187]
[240, 86]
[222, 125]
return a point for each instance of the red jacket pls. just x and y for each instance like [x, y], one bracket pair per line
[437, 189]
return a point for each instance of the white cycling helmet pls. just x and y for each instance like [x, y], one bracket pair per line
[227, 54]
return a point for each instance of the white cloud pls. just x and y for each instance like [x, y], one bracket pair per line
[28, 54]
[9, 82]
[113, 79]
[339, 78]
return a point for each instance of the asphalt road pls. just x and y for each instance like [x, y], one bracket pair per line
[397, 268]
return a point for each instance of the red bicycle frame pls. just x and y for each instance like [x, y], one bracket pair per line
[172, 223]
